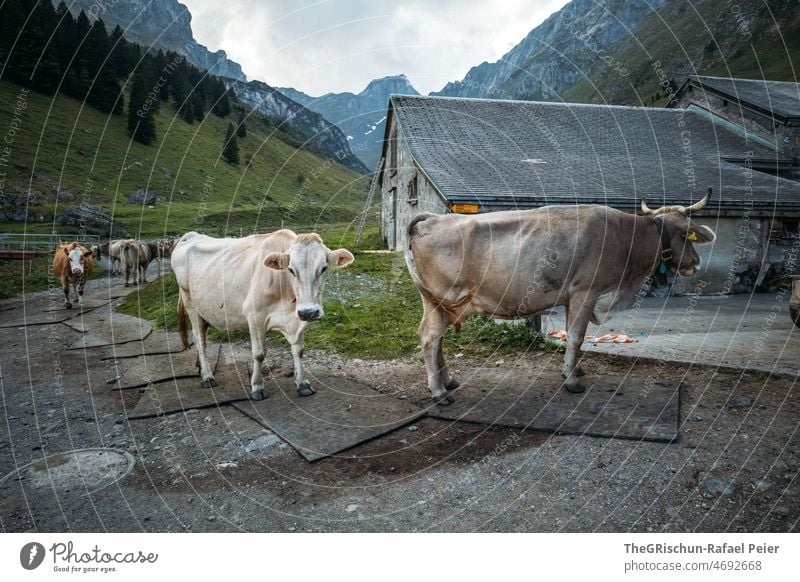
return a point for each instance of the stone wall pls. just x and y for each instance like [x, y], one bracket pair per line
[396, 209]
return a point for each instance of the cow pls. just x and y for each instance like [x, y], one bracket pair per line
[591, 259]
[161, 250]
[257, 283]
[111, 249]
[135, 256]
[73, 265]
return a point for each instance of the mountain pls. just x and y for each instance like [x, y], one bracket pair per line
[556, 54]
[164, 24]
[633, 52]
[322, 136]
[758, 40]
[361, 117]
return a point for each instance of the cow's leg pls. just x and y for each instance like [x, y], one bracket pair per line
[583, 306]
[431, 329]
[79, 291]
[295, 334]
[449, 382]
[257, 337]
[65, 286]
[578, 369]
[198, 333]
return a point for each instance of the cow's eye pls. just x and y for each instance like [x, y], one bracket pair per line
[325, 268]
[291, 271]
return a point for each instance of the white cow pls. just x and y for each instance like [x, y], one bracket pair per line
[257, 283]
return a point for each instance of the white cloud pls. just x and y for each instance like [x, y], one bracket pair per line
[321, 46]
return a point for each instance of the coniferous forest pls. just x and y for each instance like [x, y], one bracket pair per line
[49, 50]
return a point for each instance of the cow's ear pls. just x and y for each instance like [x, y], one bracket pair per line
[277, 261]
[66, 251]
[87, 253]
[700, 234]
[340, 258]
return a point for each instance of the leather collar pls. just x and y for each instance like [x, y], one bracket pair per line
[666, 247]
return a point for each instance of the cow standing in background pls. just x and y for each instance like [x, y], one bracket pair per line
[110, 249]
[136, 257]
[162, 250]
[512, 265]
[73, 265]
[257, 283]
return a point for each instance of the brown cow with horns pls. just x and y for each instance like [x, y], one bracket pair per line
[512, 265]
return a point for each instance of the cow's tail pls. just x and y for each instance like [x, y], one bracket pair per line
[183, 317]
[408, 253]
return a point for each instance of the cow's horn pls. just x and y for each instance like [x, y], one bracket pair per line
[698, 205]
[645, 209]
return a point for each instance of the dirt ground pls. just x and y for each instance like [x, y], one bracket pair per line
[733, 469]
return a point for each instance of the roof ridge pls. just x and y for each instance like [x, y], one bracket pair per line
[393, 97]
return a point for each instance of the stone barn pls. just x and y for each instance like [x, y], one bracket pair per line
[754, 108]
[477, 155]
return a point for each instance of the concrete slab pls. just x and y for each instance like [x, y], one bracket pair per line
[149, 370]
[748, 332]
[157, 343]
[186, 394]
[104, 327]
[20, 319]
[88, 304]
[612, 406]
[342, 414]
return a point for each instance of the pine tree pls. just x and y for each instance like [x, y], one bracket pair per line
[141, 122]
[105, 90]
[241, 129]
[222, 103]
[79, 71]
[230, 149]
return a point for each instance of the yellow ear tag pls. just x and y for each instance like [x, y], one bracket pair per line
[692, 236]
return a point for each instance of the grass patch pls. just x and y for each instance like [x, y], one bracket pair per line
[91, 154]
[372, 310]
[157, 302]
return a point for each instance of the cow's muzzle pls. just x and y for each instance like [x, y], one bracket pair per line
[309, 314]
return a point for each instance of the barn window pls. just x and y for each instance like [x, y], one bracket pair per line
[413, 191]
[784, 232]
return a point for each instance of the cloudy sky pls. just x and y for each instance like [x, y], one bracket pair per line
[340, 45]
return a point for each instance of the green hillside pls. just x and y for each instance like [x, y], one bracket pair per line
[732, 39]
[91, 154]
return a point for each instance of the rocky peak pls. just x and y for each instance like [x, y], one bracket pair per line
[553, 56]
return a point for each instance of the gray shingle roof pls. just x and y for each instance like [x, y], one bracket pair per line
[499, 152]
[781, 98]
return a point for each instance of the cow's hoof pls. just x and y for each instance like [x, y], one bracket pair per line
[259, 394]
[578, 373]
[305, 389]
[445, 400]
[576, 388]
[452, 385]
[210, 383]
